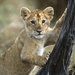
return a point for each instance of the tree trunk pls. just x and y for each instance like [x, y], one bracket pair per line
[59, 59]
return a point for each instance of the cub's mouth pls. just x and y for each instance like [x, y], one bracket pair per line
[39, 36]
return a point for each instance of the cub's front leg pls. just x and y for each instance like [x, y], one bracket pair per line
[29, 57]
[54, 32]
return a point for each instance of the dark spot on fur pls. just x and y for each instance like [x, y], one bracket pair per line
[38, 15]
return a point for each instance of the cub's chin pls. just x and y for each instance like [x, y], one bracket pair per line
[38, 36]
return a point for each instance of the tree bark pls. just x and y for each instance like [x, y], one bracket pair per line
[59, 59]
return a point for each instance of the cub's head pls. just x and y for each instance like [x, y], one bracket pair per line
[37, 22]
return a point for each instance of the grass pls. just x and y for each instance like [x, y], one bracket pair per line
[6, 9]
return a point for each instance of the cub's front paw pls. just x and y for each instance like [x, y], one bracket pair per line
[47, 57]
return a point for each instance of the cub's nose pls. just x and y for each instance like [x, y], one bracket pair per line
[39, 31]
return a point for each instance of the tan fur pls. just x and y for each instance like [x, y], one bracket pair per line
[26, 52]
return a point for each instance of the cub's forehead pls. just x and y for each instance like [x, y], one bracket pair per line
[37, 13]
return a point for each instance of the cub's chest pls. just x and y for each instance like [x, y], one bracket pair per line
[39, 51]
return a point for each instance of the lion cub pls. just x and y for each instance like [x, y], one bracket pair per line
[28, 48]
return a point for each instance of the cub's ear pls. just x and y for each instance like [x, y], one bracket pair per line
[25, 13]
[49, 12]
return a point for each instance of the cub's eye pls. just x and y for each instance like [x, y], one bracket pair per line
[32, 22]
[43, 22]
